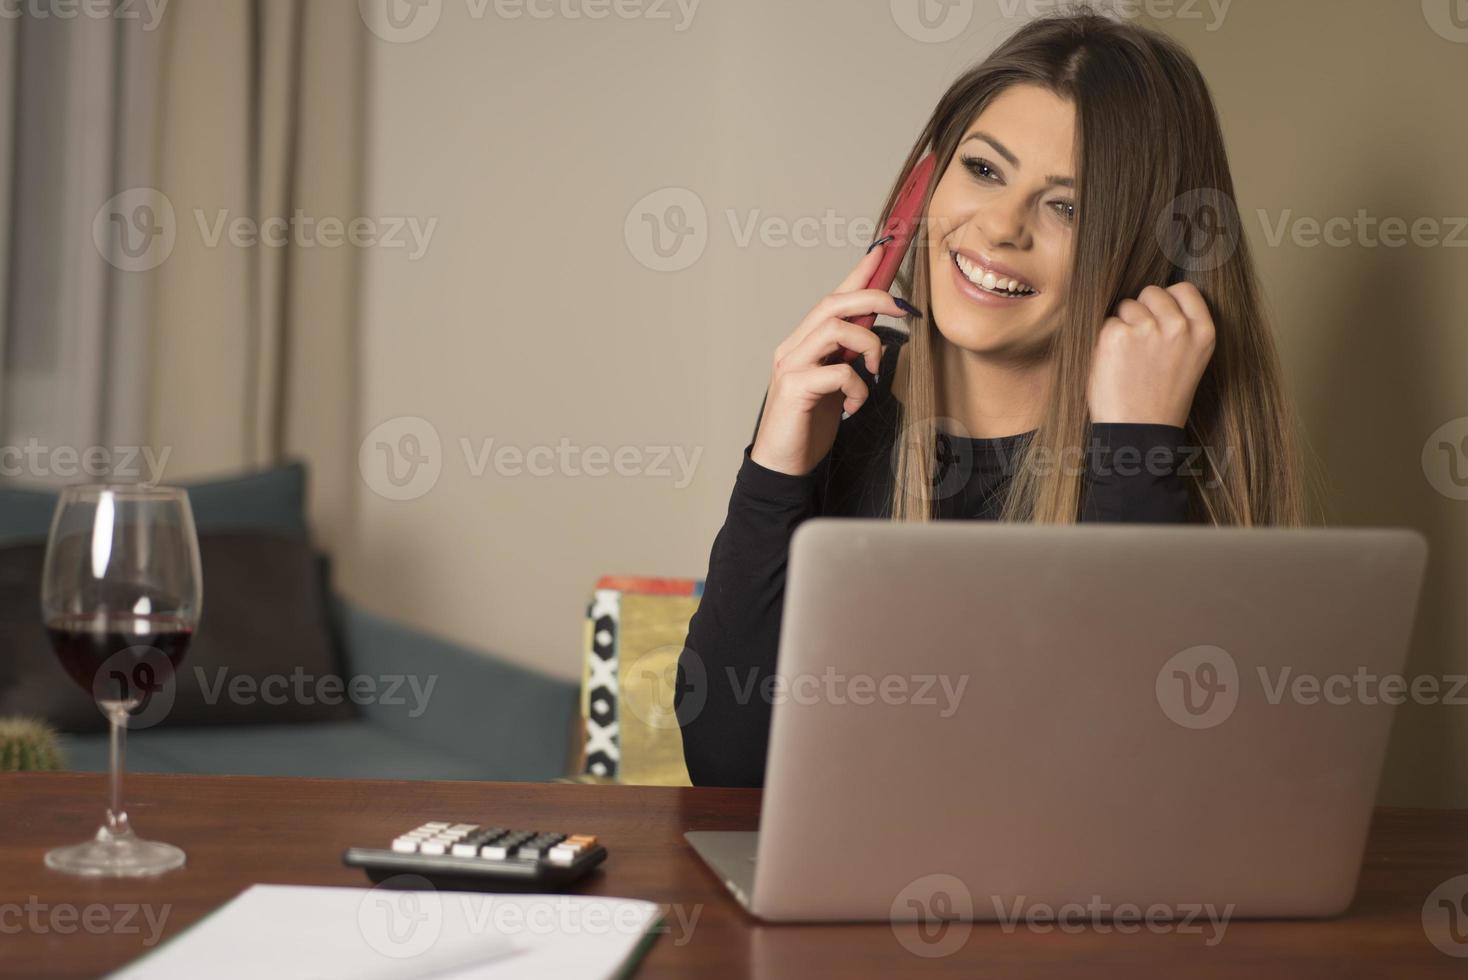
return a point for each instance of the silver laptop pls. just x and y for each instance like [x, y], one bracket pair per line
[977, 720]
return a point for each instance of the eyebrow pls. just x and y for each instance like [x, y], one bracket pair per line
[1003, 151]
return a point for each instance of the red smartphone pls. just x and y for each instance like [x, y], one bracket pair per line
[901, 225]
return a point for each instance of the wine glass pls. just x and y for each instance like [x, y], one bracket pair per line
[121, 595]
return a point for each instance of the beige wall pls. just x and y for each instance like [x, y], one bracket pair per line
[1329, 109]
[530, 319]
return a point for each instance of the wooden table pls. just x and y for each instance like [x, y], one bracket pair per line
[242, 830]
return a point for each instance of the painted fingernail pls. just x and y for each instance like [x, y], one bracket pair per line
[907, 307]
[880, 241]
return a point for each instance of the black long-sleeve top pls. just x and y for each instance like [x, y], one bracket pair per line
[734, 633]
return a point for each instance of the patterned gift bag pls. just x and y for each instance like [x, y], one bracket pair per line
[635, 627]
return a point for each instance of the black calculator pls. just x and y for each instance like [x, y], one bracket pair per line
[474, 857]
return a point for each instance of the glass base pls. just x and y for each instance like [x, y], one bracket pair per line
[115, 856]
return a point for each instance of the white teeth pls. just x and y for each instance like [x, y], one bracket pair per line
[988, 280]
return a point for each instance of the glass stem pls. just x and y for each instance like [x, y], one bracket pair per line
[117, 825]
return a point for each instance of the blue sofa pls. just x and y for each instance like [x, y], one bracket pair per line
[486, 718]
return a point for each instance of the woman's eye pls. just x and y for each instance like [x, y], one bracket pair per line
[980, 168]
[984, 170]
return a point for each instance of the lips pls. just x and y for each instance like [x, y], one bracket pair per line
[978, 294]
[990, 275]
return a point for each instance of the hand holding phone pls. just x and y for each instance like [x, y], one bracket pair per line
[896, 234]
[812, 382]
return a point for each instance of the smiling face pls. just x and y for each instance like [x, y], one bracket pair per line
[1001, 221]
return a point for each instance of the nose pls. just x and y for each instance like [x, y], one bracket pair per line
[1004, 220]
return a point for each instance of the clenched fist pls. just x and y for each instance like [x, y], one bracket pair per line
[1150, 356]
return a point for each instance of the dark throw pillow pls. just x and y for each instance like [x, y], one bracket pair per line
[262, 653]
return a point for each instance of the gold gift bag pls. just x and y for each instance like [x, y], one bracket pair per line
[635, 627]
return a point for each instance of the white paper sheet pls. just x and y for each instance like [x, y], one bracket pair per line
[287, 931]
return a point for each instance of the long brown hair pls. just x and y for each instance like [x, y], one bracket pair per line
[1150, 158]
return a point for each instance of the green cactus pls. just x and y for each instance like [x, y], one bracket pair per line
[28, 745]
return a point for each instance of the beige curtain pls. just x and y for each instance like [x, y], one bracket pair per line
[252, 351]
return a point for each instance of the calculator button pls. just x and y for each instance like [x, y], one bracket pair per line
[536, 847]
[470, 840]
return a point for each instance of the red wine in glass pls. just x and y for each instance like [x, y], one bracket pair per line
[123, 658]
[121, 595]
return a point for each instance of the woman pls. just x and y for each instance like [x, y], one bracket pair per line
[1085, 342]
